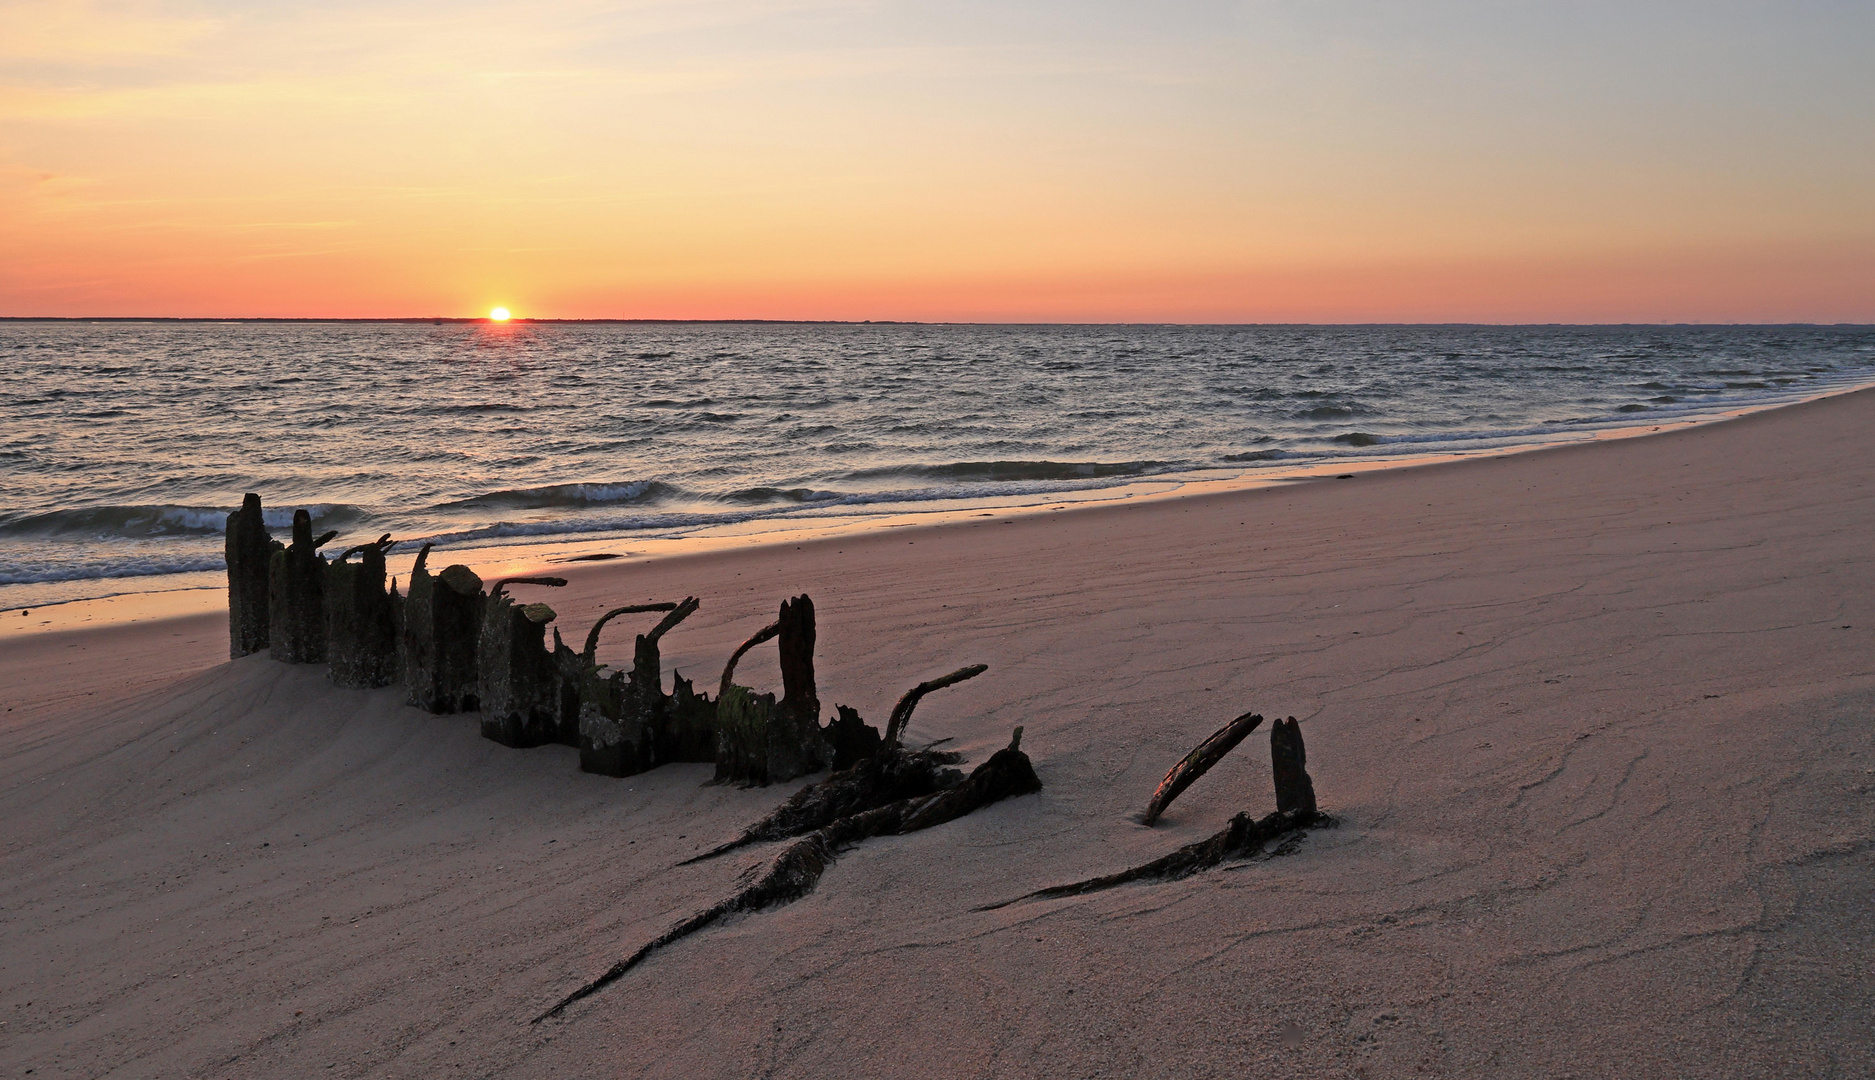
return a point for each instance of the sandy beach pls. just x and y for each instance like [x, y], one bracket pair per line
[1595, 723]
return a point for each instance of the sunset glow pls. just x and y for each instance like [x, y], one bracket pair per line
[1259, 162]
[499, 314]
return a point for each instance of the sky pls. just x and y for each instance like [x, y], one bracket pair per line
[1323, 161]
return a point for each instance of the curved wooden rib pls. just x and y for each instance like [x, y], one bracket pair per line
[901, 713]
[1199, 762]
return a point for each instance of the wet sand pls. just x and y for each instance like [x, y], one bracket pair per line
[1595, 721]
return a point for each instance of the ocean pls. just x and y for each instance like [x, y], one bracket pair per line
[125, 444]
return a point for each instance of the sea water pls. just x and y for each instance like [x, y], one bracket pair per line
[125, 444]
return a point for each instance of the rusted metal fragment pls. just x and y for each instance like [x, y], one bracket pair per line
[1244, 835]
[798, 867]
[361, 625]
[624, 719]
[296, 588]
[874, 781]
[1289, 762]
[1198, 762]
[439, 642]
[514, 670]
[760, 740]
[249, 549]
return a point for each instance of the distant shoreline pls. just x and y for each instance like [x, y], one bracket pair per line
[482, 319]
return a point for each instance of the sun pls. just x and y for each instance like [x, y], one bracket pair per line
[499, 314]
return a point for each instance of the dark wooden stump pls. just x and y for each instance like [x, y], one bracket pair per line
[361, 625]
[249, 550]
[515, 672]
[626, 719]
[296, 590]
[761, 740]
[439, 643]
[691, 732]
[1295, 792]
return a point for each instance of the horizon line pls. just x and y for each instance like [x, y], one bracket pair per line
[483, 319]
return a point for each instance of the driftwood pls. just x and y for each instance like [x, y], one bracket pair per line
[249, 550]
[515, 673]
[1198, 762]
[884, 773]
[1244, 835]
[762, 741]
[361, 619]
[901, 713]
[625, 720]
[296, 585]
[438, 644]
[886, 777]
[797, 868]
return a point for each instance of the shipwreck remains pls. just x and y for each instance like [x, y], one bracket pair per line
[361, 619]
[440, 638]
[1244, 836]
[887, 774]
[249, 550]
[296, 591]
[626, 723]
[798, 867]
[762, 741]
[517, 688]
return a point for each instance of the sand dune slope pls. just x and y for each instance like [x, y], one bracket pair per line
[1598, 725]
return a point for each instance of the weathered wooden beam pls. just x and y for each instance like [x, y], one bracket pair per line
[798, 867]
[440, 638]
[760, 740]
[901, 713]
[1289, 759]
[878, 780]
[515, 672]
[361, 624]
[296, 581]
[249, 549]
[1197, 763]
[1244, 836]
[625, 719]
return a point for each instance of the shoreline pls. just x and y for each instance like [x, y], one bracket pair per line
[565, 551]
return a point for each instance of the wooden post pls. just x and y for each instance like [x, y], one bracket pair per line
[296, 585]
[625, 720]
[249, 550]
[514, 669]
[763, 741]
[438, 645]
[361, 627]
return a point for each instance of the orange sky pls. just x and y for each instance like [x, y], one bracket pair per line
[1016, 161]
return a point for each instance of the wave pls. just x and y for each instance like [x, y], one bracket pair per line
[1005, 471]
[137, 522]
[760, 496]
[157, 566]
[566, 495]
